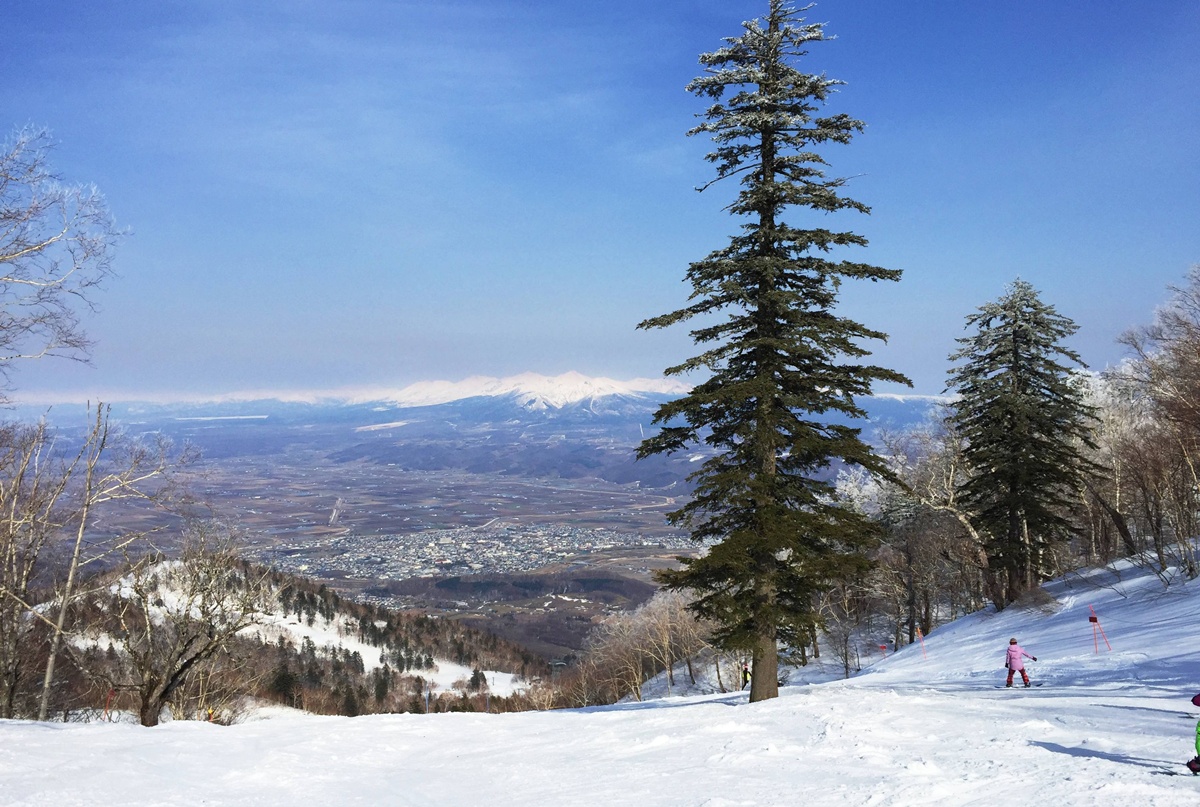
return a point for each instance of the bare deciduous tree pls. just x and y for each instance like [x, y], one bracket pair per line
[582, 684]
[32, 482]
[841, 619]
[111, 469]
[1165, 370]
[614, 645]
[167, 619]
[628, 648]
[56, 245]
[1122, 415]
[49, 495]
[929, 465]
[654, 632]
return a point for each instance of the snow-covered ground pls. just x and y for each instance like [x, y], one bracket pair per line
[913, 729]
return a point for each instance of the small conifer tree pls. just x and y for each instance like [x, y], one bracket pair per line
[1026, 425]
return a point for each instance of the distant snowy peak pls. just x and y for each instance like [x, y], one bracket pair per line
[530, 390]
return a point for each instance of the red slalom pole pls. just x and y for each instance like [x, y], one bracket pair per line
[921, 637]
[1097, 631]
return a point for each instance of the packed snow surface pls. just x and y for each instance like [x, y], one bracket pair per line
[925, 726]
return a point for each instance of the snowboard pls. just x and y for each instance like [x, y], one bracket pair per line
[1172, 772]
[1020, 686]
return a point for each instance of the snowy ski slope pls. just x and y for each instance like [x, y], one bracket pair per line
[916, 728]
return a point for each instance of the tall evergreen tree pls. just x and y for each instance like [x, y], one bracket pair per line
[780, 357]
[1026, 426]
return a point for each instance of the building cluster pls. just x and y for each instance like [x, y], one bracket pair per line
[500, 548]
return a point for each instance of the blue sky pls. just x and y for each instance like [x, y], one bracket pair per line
[327, 194]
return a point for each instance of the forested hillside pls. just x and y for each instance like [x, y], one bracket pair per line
[209, 632]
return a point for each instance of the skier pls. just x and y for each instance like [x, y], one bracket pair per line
[745, 674]
[1193, 764]
[1013, 661]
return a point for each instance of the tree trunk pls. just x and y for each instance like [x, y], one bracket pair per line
[764, 677]
[927, 612]
[1032, 577]
[911, 608]
[996, 586]
[150, 712]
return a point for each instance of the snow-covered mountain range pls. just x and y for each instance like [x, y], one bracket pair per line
[531, 392]
[530, 425]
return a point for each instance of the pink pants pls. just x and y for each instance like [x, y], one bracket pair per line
[1024, 677]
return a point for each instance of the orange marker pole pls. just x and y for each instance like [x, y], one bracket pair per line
[1096, 629]
[921, 637]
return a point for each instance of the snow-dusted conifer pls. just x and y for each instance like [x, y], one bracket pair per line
[1026, 425]
[782, 361]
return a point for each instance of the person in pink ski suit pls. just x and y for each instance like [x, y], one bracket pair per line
[1013, 661]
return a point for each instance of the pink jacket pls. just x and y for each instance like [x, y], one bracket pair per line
[1014, 662]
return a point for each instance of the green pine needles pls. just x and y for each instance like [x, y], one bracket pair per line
[1026, 426]
[782, 361]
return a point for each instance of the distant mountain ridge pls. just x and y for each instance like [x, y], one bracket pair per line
[532, 391]
[568, 426]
